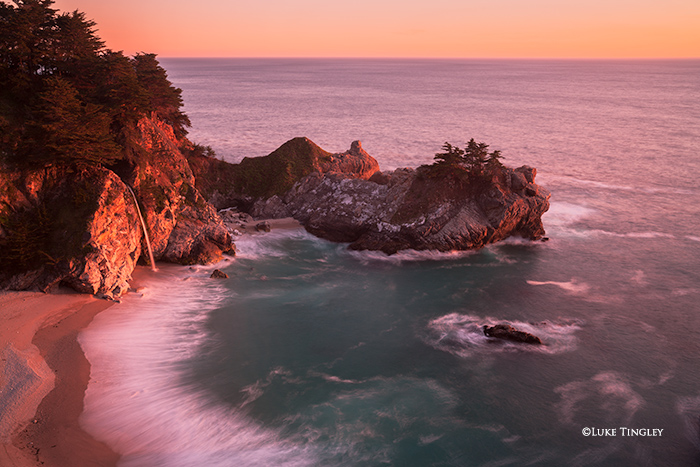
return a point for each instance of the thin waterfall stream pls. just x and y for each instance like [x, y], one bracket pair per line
[145, 231]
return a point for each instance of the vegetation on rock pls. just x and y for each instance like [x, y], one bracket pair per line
[257, 177]
[474, 161]
[65, 97]
[78, 123]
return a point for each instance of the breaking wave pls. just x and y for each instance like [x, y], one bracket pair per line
[573, 286]
[136, 401]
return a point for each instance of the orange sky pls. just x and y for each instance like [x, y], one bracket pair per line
[398, 28]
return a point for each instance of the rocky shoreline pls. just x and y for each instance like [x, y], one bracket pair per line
[405, 209]
[79, 226]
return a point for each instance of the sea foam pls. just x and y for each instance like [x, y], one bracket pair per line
[463, 335]
[572, 286]
[136, 401]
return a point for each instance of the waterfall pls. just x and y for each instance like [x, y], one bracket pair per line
[145, 232]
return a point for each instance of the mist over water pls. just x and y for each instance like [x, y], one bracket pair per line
[311, 354]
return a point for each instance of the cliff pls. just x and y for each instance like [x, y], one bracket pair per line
[77, 225]
[227, 185]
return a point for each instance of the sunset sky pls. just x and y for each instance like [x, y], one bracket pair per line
[398, 28]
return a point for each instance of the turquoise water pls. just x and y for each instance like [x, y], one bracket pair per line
[311, 354]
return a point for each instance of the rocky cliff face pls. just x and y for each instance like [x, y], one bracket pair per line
[79, 226]
[414, 208]
[183, 227]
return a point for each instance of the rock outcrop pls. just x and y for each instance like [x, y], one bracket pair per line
[414, 208]
[509, 333]
[225, 185]
[78, 226]
[184, 228]
[218, 274]
[345, 198]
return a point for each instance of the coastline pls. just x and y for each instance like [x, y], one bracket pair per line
[44, 374]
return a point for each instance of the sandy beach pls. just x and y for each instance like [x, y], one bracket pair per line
[44, 374]
[43, 377]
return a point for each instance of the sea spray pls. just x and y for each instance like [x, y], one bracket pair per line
[145, 230]
[138, 401]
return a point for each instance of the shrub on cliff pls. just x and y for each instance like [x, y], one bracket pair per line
[64, 97]
[474, 161]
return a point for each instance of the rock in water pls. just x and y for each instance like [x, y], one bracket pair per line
[344, 198]
[414, 209]
[509, 333]
[218, 274]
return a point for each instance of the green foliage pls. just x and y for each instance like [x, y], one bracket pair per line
[27, 235]
[202, 151]
[65, 97]
[165, 99]
[474, 159]
[276, 173]
[452, 155]
[65, 129]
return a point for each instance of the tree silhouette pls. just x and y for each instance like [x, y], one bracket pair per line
[475, 159]
[68, 130]
[60, 87]
[452, 156]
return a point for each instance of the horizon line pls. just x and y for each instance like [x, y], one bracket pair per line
[359, 57]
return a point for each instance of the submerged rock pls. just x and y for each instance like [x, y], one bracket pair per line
[508, 332]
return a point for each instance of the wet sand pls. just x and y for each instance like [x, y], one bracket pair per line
[43, 378]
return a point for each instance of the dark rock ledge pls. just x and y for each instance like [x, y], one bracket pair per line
[412, 208]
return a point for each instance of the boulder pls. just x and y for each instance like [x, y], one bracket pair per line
[77, 227]
[509, 333]
[218, 274]
[263, 226]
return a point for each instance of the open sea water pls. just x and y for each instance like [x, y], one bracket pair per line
[313, 355]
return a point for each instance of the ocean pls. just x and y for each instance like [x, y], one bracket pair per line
[314, 355]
